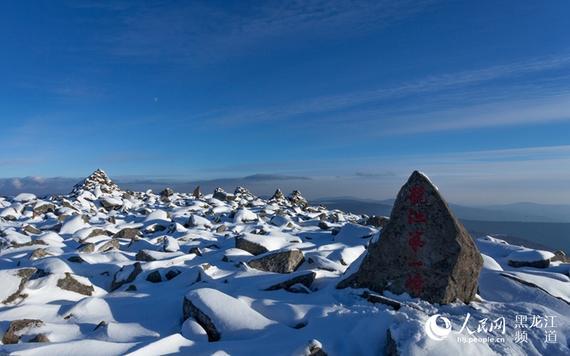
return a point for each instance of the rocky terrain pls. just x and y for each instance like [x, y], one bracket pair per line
[104, 271]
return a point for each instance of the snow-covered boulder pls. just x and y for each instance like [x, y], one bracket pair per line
[223, 316]
[530, 258]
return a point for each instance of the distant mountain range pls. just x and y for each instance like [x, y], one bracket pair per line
[533, 225]
[517, 212]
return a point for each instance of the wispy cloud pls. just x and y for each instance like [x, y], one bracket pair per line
[428, 85]
[184, 31]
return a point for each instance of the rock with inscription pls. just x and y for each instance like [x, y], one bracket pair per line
[423, 250]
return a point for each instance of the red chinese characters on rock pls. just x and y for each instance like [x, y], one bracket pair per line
[417, 195]
[414, 281]
[415, 240]
[416, 217]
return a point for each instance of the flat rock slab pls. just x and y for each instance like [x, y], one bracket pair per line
[423, 250]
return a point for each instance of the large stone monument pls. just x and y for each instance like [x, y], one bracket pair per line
[423, 250]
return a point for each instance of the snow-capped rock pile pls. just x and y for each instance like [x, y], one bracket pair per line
[98, 182]
[104, 271]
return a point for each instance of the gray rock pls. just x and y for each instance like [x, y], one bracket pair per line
[112, 244]
[297, 199]
[135, 270]
[43, 209]
[220, 194]
[278, 196]
[190, 310]
[38, 253]
[128, 233]
[173, 273]
[166, 193]
[111, 203]
[391, 348]
[315, 348]
[196, 193]
[154, 277]
[76, 259]
[143, 255]
[86, 248]
[71, 284]
[279, 262]
[378, 221]
[196, 251]
[424, 250]
[12, 335]
[24, 274]
[305, 279]
[535, 264]
[560, 256]
[30, 229]
[40, 338]
[250, 246]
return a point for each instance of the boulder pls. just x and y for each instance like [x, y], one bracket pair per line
[111, 203]
[43, 208]
[196, 193]
[220, 194]
[154, 277]
[132, 233]
[125, 275]
[298, 200]
[279, 262]
[73, 285]
[378, 221]
[38, 253]
[250, 246]
[112, 244]
[423, 250]
[305, 279]
[13, 283]
[235, 320]
[30, 229]
[166, 194]
[145, 255]
[171, 274]
[88, 247]
[530, 258]
[278, 196]
[170, 244]
[19, 327]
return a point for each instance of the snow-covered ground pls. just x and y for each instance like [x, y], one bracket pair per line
[104, 272]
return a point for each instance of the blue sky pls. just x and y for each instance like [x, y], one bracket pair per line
[354, 94]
